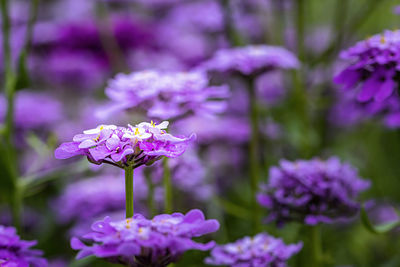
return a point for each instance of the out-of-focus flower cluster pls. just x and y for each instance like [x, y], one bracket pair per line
[312, 192]
[15, 252]
[138, 241]
[165, 95]
[261, 250]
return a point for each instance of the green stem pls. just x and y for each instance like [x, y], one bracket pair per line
[167, 186]
[316, 246]
[129, 191]
[150, 194]
[10, 82]
[254, 153]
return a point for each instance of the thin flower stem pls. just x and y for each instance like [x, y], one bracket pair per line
[10, 82]
[254, 154]
[167, 186]
[129, 191]
[316, 246]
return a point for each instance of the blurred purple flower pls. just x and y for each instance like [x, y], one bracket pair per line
[119, 146]
[33, 110]
[143, 59]
[261, 250]
[188, 174]
[87, 199]
[210, 130]
[250, 60]
[202, 15]
[15, 252]
[381, 212]
[396, 10]
[374, 65]
[165, 95]
[138, 241]
[312, 191]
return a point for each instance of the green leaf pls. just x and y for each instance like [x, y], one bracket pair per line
[23, 79]
[377, 229]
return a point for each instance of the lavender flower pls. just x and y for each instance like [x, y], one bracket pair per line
[122, 147]
[138, 241]
[261, 250]
[165, 95]
[375, 64]
[188, 174]
[89, 198]
[252, 59]
[33, 110]
[15, 252]
[312, 191]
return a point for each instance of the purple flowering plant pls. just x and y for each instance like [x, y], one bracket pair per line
[138, 241]
[261, 250]
[312, 191]
[131, 146]
[15, 252]
[165, 95]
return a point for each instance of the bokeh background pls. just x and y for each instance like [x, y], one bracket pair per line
[74, 48]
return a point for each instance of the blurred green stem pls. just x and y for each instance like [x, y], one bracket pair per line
[9, 88]
[167, 186]
[254, 153]
[150, 194]
[129, 191]
[316, 246]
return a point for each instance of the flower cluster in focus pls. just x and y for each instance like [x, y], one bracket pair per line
[130, 146]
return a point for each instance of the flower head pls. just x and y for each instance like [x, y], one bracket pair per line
[261, 250]
[138, 241]
[165, 95]
[125, 146]
[312, 191]
[375, 65]
[17, 252]
[253, 59]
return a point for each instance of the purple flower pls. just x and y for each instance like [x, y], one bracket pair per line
[203, 15]
[15, 252]
[261, 250]
[165, 95]
[188, 174]
[138, 241]
[122, 147]
[375, 64]
[33, 110]
[312, 191]
[89, 198]
[253, 59]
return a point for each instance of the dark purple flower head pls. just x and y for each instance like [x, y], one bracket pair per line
[261, 250]
[119, 146]
[374, 67]
[253, 59]
[165, 95]
[312, 191]
[138, 241]
[15, 252]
